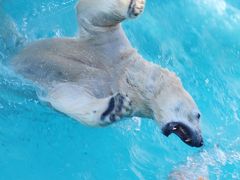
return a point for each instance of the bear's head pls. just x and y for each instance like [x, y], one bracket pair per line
[175, 110]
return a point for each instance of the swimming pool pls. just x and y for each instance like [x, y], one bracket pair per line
[198, 39]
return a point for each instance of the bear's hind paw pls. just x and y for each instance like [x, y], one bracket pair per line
[136, 7]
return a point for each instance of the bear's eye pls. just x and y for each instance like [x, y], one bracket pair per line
[198, 116]
[195, 116]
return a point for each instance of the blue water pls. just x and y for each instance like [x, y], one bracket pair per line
[198, 39]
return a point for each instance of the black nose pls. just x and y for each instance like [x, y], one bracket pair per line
[201, 143]
[198, 141]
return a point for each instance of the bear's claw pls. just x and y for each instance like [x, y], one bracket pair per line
[135, 8]
[119, 106]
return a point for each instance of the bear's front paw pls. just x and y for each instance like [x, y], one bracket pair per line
[119, 106]
[122, 105]
[135, 8]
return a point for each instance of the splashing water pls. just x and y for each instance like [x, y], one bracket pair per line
[198, 39]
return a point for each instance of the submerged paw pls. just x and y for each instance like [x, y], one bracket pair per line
[119, 106]
[123, 104]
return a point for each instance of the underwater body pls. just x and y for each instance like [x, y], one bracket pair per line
[197, 39]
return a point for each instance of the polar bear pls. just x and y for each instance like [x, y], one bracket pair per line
[99, 78]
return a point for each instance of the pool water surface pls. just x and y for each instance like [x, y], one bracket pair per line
[197, 39]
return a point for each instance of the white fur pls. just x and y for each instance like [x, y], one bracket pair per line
[75, 101]
[83, 74]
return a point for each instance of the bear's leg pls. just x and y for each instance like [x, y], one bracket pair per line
[107, 13]
[76, 102]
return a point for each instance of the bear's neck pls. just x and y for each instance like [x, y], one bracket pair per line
[142, 82]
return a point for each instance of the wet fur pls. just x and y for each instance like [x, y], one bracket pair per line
[84, 75]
